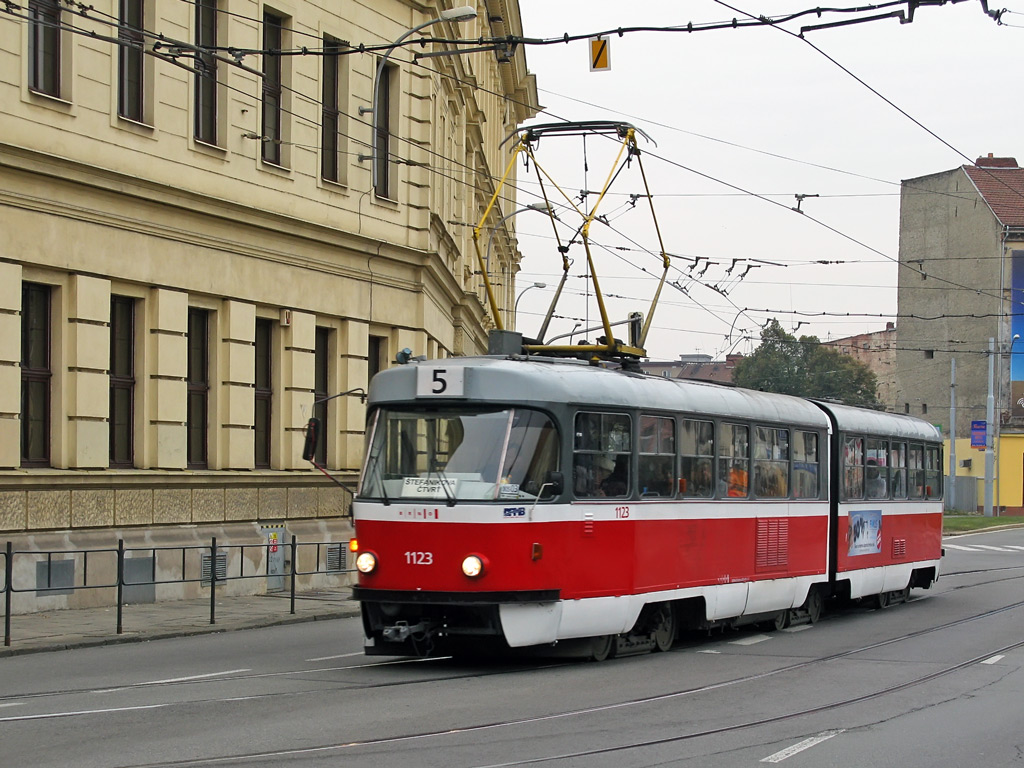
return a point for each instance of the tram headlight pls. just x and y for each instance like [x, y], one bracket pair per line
[473, 566]
[366, 562]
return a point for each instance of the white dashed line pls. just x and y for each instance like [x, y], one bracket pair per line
[778, 757]
[752, 640]
[195, 677]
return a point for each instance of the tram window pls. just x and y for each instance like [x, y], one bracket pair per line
[853, 467]
[602, 451]
[697, 456]
[531, 454]
[656, 464]
[805, 465]
[771, 462]
[898, 469]
[734, 460]
[932, 472]
[460, 455]
[915, 471]
[876, 469]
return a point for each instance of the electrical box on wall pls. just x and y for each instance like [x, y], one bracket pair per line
[286, 318]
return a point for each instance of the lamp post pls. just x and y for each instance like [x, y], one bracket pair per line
[989, 427]
[515, 307]
[543, 208]
[997, 477]
[460, 14]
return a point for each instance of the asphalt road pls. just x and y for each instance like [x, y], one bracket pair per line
[934, 682]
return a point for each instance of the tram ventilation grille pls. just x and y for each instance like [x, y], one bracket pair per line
[222, 568]
[336, 557]
[899, 547]
[772, 543]
[588, 523]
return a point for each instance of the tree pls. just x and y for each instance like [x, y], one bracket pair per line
[805, 368]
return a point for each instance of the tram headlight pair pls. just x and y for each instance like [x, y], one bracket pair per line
[473, 566]
[366, 562]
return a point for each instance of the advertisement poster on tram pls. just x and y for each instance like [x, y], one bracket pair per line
[865, 532]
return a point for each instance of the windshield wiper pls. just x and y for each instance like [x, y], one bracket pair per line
[443, 479]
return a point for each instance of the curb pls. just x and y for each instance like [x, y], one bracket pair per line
[14, 650]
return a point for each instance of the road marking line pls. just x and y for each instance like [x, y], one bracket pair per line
[778, 757]
[13, 704]
[798, 628]
[962, 549]
[752, 640]
[994, 659]
[708, 651]
[194, 677]
[989, 546]
[1015, 546]
[52, 715]
[339, 656]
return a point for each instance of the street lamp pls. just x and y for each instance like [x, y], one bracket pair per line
[460, 14]
[542, 207]
[515, 307]
[990, 423]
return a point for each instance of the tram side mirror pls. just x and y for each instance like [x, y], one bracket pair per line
[312, 439]
[555, 482]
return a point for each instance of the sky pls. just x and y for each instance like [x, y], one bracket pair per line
[733, 112]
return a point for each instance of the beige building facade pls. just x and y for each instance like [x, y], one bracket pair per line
[195, 246]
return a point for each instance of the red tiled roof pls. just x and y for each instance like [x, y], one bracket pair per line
[1001, 182]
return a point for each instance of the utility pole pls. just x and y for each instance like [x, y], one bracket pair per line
[951, 496]
[990, 409]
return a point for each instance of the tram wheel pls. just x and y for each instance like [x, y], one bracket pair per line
[602, 647]
[664, 624]
[814, 605]
[905, 594]
[883, 600]
[781, 620]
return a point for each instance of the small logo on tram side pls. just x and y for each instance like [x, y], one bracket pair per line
[515, 512]
[420, 514]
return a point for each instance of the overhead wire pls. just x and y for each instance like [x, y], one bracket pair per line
[121, 41]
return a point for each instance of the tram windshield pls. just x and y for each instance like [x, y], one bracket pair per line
[460, 455]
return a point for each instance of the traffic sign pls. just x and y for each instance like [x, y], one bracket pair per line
[600, 54]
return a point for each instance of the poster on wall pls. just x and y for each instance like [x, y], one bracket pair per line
[865, 532]
[1017, 328]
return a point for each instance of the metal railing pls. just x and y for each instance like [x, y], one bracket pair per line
[188, 564]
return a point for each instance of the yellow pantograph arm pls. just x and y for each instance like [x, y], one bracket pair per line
[498, 322]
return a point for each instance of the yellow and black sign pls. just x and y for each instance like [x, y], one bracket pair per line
[600, 55]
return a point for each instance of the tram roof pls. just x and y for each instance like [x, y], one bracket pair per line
[850, 419]
[546, 381]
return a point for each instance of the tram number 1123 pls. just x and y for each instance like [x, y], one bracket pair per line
[419, 558]
[622, 512]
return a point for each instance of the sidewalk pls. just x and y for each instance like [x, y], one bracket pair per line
[59, 630]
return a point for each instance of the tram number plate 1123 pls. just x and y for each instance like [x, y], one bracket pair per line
[439, 382]
[419, 558]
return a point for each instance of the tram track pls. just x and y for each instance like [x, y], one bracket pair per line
[340, 747]
[476, 672]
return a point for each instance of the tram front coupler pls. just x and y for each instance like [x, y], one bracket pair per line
[402, 631]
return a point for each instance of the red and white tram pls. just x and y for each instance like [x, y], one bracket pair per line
[514, 501]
